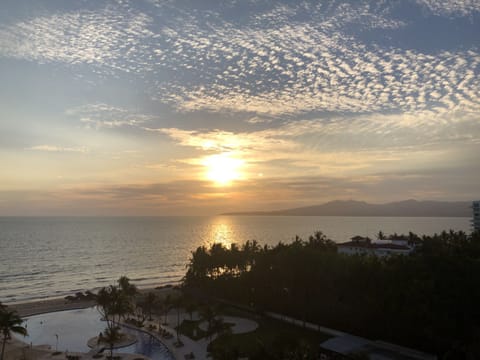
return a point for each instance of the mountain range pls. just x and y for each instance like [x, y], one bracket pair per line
[405, 208]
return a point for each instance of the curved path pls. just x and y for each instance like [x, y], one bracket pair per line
[199, 347]
[240, 325]
[17, 349]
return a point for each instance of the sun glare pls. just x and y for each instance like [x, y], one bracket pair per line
[222, 169]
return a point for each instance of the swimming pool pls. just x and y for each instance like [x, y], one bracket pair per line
[75, 327]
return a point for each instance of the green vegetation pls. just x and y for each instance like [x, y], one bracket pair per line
[273, 339]
[111, 336]
[191, 329]
[115, 303]
[427, 300]
[10, 323]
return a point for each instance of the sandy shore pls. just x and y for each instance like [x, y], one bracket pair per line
[16, 349]
[46, 306]
[19, 350]
[52, 305]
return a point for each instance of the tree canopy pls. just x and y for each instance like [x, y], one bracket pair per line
[10, 322]
[426, 300]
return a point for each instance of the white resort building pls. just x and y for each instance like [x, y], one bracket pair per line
[364, 246]
[476, 215]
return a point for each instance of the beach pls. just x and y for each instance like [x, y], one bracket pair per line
[17, 349]
[153, 251]
[59, 304]
[189, 349]
[49, 305]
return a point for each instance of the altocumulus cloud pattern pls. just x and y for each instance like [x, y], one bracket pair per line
[327, 87]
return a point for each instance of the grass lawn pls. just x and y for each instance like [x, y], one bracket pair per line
[273, 336]
[187, 328]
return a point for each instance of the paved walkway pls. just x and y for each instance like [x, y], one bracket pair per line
[17, 349]
[240, 325]
[197, 348]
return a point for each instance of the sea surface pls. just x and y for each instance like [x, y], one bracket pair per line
[44, 257]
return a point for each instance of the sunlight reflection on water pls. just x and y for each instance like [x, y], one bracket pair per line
[45, 257]
[222, 232]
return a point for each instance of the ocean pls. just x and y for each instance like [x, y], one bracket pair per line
[43, 257]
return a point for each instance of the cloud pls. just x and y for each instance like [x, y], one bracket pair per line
[101, 115]
[110, 37]
[451, 7]
[347, 146]
[61, 149]
[199, 197]
[259, 120]
[286, 63]
[337, 133]
[226, 141]
[281, 60]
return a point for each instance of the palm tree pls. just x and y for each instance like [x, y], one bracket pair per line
[149, 302]
[190, 308]
[160, 307]
[111, 336]
[129, 292]
[167, 306]
[217, 327]
[208, 314]
[112, 305]
[128, 289]
[198, 265]
[104, 304]
[177, 303]
[10, 322]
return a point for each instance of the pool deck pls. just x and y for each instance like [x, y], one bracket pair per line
[37, 307]
[197, 348]
[17, 349]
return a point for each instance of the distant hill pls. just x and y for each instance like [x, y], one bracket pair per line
[360, 208]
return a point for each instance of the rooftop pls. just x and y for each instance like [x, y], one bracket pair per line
[370, 245]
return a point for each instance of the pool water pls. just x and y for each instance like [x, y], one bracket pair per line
[73, 328]
[147, 345]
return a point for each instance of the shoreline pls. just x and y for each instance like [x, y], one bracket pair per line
[16, 348]
[49, 305]
[146, 287]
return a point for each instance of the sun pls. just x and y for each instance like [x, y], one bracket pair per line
[223, 168]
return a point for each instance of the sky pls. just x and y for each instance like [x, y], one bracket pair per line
[151, 107]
